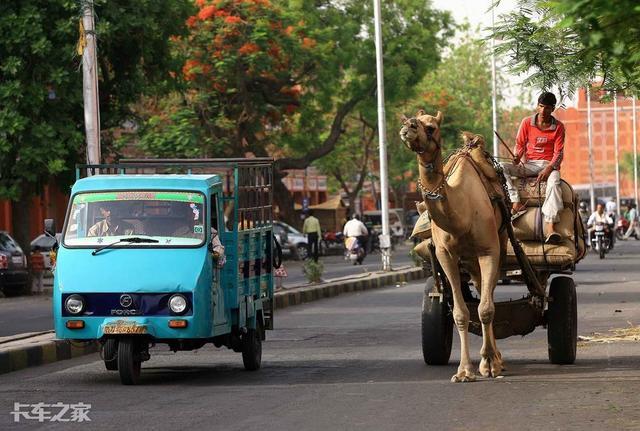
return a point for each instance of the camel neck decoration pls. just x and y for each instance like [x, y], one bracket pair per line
[465, 231]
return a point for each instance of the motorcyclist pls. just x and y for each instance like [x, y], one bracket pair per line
[354, 228]
[599, 216]
[583, 212]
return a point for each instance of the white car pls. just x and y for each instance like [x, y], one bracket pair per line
[293, 242]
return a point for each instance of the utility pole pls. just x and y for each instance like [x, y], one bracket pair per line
[90, 84]
[592, 193]
[385, 240]
[494, 102]
[615, 142]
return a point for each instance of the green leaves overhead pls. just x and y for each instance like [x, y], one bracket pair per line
[567, 43]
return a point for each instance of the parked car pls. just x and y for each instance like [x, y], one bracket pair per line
[14, 273]
[44, 244]
[293, 242]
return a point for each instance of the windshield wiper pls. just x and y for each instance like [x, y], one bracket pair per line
[131, 240]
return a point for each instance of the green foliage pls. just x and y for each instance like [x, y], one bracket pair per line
[626, 163]
[313, 271]
[245, 63]
[461, 88]
[567, 43]
[39, 115]
[412, 45]
[41, 103]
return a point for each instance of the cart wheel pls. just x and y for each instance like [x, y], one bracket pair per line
[562, 321]
[252, 349]
[437, 328]
[110, 354]
[129, 361]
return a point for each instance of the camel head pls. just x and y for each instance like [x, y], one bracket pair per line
[421, 133]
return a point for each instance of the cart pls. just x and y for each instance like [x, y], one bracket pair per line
[549, 304]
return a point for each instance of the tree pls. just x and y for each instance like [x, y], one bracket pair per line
[41, 114]
[461, 88]
[279, 77]
[568, 43]
[349, 162]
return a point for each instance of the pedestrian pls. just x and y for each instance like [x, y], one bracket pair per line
[540, 147]
[612, 209]
[634, 229]
[313, 231]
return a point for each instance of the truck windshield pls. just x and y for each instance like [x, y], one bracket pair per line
[173, 218]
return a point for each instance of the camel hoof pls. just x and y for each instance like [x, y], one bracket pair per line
[490, 368]
[463, 377]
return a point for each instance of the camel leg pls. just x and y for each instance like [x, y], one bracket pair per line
[449, 264]
[491, 362]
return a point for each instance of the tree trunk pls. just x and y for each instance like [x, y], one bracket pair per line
[283, 199]
[20, 212]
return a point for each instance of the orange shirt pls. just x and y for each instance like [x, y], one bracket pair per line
[536, 144]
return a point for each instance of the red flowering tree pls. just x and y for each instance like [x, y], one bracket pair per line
[246, 68]
[279, 77]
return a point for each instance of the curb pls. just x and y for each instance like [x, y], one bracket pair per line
[44, 349]
[301, 295]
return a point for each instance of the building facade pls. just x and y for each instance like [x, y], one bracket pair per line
[575, 166]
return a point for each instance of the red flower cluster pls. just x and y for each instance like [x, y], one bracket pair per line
[248, 48]
[233, 19]
[207, 12]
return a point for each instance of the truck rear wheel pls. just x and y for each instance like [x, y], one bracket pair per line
[562, 321]
[252, 348]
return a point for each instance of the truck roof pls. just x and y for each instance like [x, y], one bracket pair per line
[147, 181]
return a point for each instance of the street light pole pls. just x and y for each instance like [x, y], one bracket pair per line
[635, 150]
[615, 142]
[385, 240]
[90, 85]
[494, 103]
[592, 193]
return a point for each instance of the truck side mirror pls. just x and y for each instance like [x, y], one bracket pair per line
[50, 227]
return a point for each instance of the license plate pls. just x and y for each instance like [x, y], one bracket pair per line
[16, 260]
[125, 328]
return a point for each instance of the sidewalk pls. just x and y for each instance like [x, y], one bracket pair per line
[33, 349]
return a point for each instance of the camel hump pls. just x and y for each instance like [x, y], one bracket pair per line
[476, 147]
[473, 140]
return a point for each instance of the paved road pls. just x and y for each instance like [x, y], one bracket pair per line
[34, 314]
[354, 362]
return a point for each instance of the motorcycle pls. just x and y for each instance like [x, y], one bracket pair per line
[600, 240]
[331, 240]
[354, 250]
[621, 228]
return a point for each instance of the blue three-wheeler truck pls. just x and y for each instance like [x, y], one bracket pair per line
[178, 252]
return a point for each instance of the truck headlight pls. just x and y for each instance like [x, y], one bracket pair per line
[178, 304]
[74, 304]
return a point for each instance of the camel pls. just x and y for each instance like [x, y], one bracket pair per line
[465, 231]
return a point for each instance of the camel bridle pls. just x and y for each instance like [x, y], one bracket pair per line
[429, 131]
